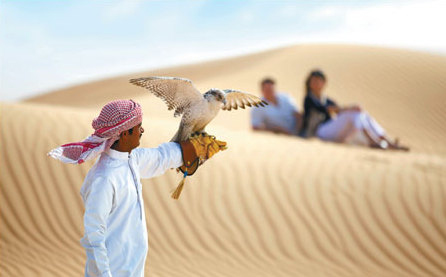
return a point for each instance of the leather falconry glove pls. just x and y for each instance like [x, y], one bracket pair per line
[195, 152]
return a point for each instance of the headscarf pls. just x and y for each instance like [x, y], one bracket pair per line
[115, 117]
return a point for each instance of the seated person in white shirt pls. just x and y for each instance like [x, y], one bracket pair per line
[280, 116]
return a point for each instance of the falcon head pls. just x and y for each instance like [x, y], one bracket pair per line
[215, 95]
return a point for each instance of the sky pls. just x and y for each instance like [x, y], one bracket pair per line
[46, 45]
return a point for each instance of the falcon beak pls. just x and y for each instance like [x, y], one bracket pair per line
[224, 101]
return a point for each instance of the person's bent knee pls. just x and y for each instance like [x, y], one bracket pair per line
[350, 115]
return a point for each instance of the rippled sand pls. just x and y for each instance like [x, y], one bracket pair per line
[269, 205]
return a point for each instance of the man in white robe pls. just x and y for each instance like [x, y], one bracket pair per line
[115, 235]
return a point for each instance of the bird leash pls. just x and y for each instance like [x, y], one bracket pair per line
[177, 192]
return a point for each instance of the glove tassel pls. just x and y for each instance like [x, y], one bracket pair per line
[177, 192]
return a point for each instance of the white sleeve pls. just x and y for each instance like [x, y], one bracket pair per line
[98, 201]
[155, 161]
[257, 117]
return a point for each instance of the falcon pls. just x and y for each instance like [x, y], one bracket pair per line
[197, 109]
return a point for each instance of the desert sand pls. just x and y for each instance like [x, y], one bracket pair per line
[270, 205]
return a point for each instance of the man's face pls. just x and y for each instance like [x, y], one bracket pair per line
[133, 140]
[268, 90]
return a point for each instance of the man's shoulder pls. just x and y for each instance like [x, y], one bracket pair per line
[137, 152]
[142, 150]
[100, 171]
[100, 168]
[257, 112]
[284, 95]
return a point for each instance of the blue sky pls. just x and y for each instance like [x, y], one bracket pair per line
[45, 45]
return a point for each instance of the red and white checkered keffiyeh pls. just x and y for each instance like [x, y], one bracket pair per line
[115, 117]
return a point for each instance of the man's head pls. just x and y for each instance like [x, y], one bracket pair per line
[268, 88]
[129, 139]
[120, 120]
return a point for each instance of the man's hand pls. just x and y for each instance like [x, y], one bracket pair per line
[207, 146]
[197, 150]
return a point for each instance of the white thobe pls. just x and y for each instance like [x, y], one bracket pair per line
[115, 234]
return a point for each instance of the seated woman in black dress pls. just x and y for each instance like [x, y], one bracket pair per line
[326, 120]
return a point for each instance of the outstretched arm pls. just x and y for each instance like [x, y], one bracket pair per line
[155, 161]
[186, 155]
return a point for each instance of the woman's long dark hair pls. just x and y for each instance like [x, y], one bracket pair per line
[314, 73]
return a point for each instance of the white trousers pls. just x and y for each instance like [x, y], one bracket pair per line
[348, 126]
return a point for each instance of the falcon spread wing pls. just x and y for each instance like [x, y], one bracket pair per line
[177, 93]
[237, 98]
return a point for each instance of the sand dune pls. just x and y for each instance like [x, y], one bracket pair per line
[270, 205]
[403, 90]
